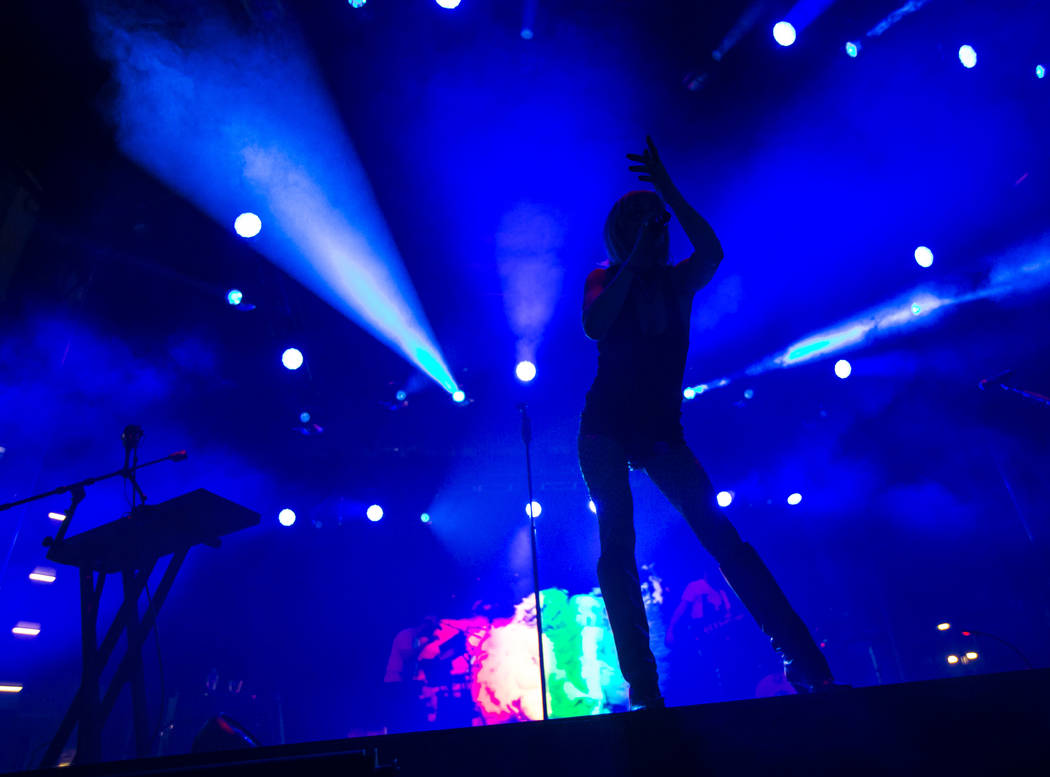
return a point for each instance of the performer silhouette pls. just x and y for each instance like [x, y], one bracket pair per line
[638, 309]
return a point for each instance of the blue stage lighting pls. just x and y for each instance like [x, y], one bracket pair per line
[458, 396]
[724, 498]
[525, 371]
[843, 368]
[852, 49]
[795, 498]
[425, 518]
[401, 396]
[749, 393]
[923, 256]
[286, 517]
[967, 56]
[688, 392]
[592, 506]
[526, 33]
[292, 358]
[374, 513]
[234, 297]
[247, 225]
[448, 3]
[784, 33]
[357, 3]
[1040, 71]
[304, 417]
[534, 509]
[916, 308]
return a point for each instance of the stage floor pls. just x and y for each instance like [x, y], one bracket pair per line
[985, 724]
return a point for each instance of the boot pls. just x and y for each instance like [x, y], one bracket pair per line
[804, 665]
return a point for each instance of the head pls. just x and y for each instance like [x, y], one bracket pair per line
[626, 218]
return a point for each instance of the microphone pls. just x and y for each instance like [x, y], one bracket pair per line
[132, 436]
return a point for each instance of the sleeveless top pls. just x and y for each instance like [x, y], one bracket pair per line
[636, 396]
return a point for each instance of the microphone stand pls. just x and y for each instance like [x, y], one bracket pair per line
[526, 437]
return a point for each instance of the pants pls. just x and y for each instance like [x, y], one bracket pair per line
[676, 472]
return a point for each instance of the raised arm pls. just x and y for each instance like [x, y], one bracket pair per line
[603, 301]
[699, 268]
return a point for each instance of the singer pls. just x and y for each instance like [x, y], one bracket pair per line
[637, 309]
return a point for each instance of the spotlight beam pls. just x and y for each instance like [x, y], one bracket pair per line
[233, 124]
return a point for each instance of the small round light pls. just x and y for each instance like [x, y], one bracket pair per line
[458, 396]
[357, 3]
[968, 56]
[1040, 71]
[292, 358]
[749, 393]
[953, 659]
[784, 33]
[374, 513]
[304, 417]
[852, 49]
[525, 371]
[916, 308]
[533, 509]
[234, 297]
[688, 393]
[795, 498]
[943, 626]
[401, 396]
[425, 517]
[592, 506]
[526, 33]
[724, 498]
[843, 369]
[971, 654]
[247, 225]
[286, 517]
[448, 3]
[923, 256]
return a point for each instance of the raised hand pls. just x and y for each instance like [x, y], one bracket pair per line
[651, 170]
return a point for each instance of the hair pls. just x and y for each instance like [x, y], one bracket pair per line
[621, 225]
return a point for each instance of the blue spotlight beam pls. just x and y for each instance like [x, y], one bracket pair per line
[230, 124]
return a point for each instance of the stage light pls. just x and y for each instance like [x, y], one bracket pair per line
[247, 225]
[357, 3]
[852, 49]
[724, 498]
[972, 655]
[286, 517]
[525, 371]
[533, 509]
[292, 358]
[43, 575]
[843, 368]
[943, 626]
[425, 517]
[374, 513]
[448, 3]
[923, 256]
[401, 396]
[916, 308]
[1040, 71]
[458, 396]
[967, 56]
[526, 33]
[234, 297]
[688, 392]
[56, 516]
[10, 687]
[592, 506]
[304, 417]
[795, 498]
[749, 393]
[26, 629]
[784, 33]
[953, 659]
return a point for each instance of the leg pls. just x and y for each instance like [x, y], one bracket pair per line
[603, 462]
[681, 478]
